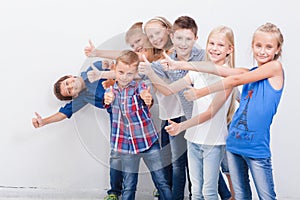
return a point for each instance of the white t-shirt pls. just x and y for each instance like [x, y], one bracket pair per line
[169, 106]
[213, 131]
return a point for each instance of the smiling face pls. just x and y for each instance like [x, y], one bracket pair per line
[125, 74]
[138, 41]
[157, 34]
[183, 41]
[265, 47]
[218, 48]
[71, 87]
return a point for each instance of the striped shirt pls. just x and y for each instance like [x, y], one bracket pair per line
[132, 129]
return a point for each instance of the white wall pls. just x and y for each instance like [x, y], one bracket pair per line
[42, 40]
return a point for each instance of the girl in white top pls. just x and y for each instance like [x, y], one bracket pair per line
[207, 129]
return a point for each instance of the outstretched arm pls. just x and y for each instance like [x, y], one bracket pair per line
[91, 51]
[38, 121]
[160, 84]
[217, 102]
[200, 66]
[271, 70]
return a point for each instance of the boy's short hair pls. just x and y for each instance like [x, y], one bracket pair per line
[185, 22]
[128, 57]
[57, 90]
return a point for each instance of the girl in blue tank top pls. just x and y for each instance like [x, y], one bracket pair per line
[248, 141]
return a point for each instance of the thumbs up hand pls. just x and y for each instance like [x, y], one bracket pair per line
[146, 96]
[145, 67]
[38, 121]
[109, 96]
[89, 51]
[168, 63]
[173, 128]
[94, 74]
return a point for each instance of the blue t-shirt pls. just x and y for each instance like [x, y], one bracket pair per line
[93, 94]
[249, 131]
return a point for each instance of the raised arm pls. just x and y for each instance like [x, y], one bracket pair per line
[38, 121]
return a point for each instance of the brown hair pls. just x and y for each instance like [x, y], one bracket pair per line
[57, 91]
[128, 57]
[185, 22]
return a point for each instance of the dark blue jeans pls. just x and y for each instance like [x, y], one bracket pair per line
[116, 177]
[223, 189]
[152, 159]
[178, 168]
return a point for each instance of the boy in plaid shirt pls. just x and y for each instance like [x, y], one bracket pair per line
[133, 134]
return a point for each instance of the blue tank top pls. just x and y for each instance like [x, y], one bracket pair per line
[249, 131]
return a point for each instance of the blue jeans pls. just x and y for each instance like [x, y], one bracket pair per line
[261, 171]
[204, 165]
[179, 170]
[223, 189]
[152, 159]
[116, 177]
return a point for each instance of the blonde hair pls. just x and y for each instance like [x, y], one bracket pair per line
[228, 33]
[165, 23]
[272, 29]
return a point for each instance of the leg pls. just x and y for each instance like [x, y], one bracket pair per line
[222, 188]
[116, 178]
[152, 159]
[212, 157]
[130, 166]
[261, 170]
[179, 163]
[195, 156]
[166, 152]
[240, 176]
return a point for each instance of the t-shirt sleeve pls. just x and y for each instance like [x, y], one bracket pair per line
[73, 106]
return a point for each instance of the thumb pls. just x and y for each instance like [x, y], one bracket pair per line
[111, 89]
[145, 59]
[170, 122]
[91, 44]
[37, 115]
[166, 55]
[148, 89]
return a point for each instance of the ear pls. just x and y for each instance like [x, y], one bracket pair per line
[172, 36]
[230, 49]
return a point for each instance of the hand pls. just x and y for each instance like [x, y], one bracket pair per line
[145, 67]
[89, 51]
[147, 97]
[167, 63]
[109, 82]
[173, 128]
[38, 121]
[191, 94]
[94, 74]
[109, 96]
[107, 64]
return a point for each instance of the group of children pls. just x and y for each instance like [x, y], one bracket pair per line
[196, 92]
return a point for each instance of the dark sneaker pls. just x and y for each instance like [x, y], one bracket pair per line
[111, 197]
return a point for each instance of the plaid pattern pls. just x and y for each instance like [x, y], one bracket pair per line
[132, 129]
[174, 75]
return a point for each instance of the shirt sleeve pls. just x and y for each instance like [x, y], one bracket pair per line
[73, 106]
[158, 69]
